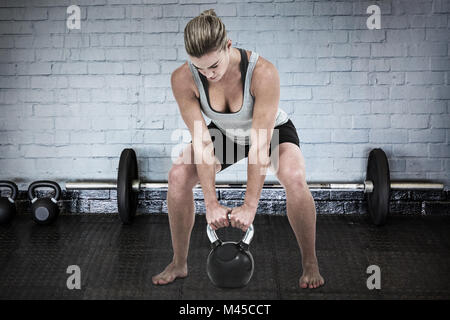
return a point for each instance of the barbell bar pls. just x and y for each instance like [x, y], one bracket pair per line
[367, 186]
[377, 186]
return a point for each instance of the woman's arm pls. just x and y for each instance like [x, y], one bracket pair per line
[201, 139]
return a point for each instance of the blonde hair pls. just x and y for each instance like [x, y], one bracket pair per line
[204, 33]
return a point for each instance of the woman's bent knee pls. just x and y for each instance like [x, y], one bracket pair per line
[183, 175]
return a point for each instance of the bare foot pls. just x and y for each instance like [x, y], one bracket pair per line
[311, 277]
[170, 273]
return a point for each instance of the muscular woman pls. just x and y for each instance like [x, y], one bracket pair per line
[239, 92]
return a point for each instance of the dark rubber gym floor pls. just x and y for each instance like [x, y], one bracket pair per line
[117, 262]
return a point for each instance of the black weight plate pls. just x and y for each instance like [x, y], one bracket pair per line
[378, 173]
[127, 199]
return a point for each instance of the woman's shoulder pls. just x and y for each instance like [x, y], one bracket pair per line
[182, 76]
[263, 69]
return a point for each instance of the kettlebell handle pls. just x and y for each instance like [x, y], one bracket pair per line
[44, 183]
[215, 241]
[11, 185]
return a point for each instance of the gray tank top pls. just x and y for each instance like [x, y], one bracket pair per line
[235, 125]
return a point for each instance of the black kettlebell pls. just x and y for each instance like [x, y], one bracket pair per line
[44, 210]
[7, 205]
[230, 264]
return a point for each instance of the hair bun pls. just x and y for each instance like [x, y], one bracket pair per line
[209, 12]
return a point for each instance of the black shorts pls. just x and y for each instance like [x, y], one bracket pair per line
[282, 133]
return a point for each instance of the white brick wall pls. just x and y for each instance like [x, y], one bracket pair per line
[70, 100]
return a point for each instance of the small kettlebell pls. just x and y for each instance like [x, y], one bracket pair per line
[230, 264]
[7, 204]
[44, 210]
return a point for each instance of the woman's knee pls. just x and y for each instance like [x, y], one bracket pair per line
[183, 175]
[293, 178]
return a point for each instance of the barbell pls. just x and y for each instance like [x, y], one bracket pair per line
[377, 186]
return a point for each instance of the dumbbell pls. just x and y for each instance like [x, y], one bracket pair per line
[44, 210]
[7, 204]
